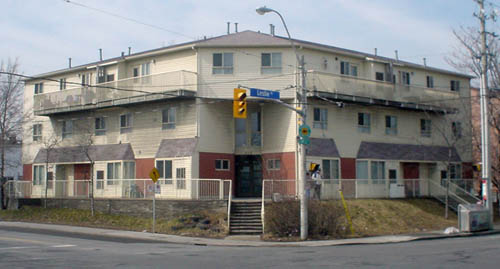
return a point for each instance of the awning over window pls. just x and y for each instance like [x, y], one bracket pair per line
[322, 147]
[78, 154]
[407, 152]
[180, 147]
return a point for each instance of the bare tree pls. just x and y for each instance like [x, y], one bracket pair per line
[11, 114]
[85, 141]
[49, 144]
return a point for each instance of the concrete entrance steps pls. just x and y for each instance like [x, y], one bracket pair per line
[245, 218]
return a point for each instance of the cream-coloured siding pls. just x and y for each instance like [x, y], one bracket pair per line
[279, 129]
[216, 127]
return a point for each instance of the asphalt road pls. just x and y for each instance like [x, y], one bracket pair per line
[25, 248]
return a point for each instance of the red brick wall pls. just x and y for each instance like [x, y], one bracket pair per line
[348, 168]
[82, 171]
[143, 167]
[287, 165]
[207, 165]
[467, 172]
[27, 172]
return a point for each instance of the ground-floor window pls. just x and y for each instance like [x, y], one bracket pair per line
[180, 178]
[330, 169]
[376, 172]
[113, 173]
[38, 174]
[165, 169]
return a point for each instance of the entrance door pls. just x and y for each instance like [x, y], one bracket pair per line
[248, 176]
[60, 180]
[411, 174]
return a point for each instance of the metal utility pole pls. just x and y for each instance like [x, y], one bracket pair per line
[485, 133]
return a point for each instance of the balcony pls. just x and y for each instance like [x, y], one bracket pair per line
[359, 90]
[128, 91]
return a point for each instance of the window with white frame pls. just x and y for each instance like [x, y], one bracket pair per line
[37, 132]
[129, 170]
[455, 85]
[391, 125]
[222, 165]
[38, 174]
[222, 63]
[114, 170]
[62, 84]
[165, 169]
[425, 127]
[347, 68]
[126, 123]
[362, 171]
[273, 164]
[377, 172]
[67, 128]
[364, 122]
[330, 169]
[271, 63]
[456, 128]
[38, 88]
[405, 78]
[168, 118]
[320, 118]
[180, 178]
[101, 75]
[100, 126]
[146, 72]
[86, 79]
[430, 82]
[100, 179]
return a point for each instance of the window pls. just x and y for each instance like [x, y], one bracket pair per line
[364, 122]
[273, 164]
[145, 72]
[330, 169]
[110, 77]
[38, 88]
[271, 63]
[455, 85]
[101, 75]
[379, 76]
[405, 78]
[222, 63]
[320, 118]
[129, 170]
[165, 169]
[347, 68]
[256, 135]
[430, 82]
[67, 129]
[126, 123]
[86, 79]
[362, 171]
[38, 174]
[393, 176]
[113, 173]
[222, 165]
[100, 180]
[391, 125]
[168, 118]
[425, 127]
[378, 172]
[456, 128]
[37, 132]
[455, 171]
[62, 83]
[180, 178]
[135, 72]
[100, 126]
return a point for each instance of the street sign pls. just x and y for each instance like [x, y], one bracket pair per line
[304, 141]
[264, 93]
[154, 174]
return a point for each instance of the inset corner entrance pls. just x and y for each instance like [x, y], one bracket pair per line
[248, 175]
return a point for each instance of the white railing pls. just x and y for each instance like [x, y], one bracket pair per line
[117, 92]
[187, 189]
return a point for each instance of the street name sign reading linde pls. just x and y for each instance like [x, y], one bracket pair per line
[264, 93]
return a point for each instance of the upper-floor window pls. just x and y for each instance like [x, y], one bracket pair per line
[101, 75]
[320, 118]
[145, 69]
[110, 77]
[37, 132]
[222, 164]
[62, 83]
[126, 123]
[271, 63]
[222, 63]
[86, 79]
[165, 169]
[347, 68]
[405, 78]
[273, 164]
[67, 128]
[456, 128]
[38, 88]
[142, 70]
[379, 76]
[100, 126]
[425, 127]
[331, 169]
[391, 125]
[455, 85]
[430, 82]
[364, 122]
[168, 118]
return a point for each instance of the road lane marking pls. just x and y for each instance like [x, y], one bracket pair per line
[63, 246]
[23, 240]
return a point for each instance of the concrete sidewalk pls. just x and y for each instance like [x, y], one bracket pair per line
[235, 241]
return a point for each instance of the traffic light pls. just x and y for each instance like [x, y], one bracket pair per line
[476, 167]
[313, 167]
[240, 103]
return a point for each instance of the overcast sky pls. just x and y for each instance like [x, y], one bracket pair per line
[43, 34]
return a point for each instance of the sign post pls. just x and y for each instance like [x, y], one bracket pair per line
[154, 175]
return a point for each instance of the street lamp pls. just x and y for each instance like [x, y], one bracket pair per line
[302, 98]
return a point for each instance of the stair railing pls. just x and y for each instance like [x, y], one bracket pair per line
[439, 192]
[229, 199]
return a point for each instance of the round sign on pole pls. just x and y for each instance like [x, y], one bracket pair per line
[304, 130]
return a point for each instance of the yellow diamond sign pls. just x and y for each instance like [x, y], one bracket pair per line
[154, 174]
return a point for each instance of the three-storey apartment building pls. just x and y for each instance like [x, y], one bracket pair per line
[372, 118]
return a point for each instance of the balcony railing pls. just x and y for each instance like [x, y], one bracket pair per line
[120, 92]
[365, 89]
